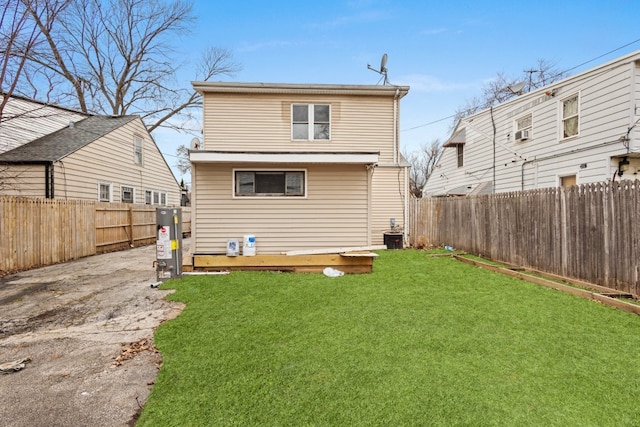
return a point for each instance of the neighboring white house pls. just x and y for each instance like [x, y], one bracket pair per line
[58, 153]
[298, 166]
[579, 130]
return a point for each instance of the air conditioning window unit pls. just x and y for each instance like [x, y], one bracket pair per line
[522, 135]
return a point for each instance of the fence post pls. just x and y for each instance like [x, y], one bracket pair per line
[131, 239]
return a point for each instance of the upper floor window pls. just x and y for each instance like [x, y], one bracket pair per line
[137, 150]
[269, 183]
[310, 122]
[523, 128]
[570, 117]
[460, 154]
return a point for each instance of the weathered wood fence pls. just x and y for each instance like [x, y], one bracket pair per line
[37, 232]
[589, 232]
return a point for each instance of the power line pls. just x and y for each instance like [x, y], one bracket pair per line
[565, 71]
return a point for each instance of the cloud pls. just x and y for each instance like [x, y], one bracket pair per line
[428, 83]
[267, 44]
[358, 18]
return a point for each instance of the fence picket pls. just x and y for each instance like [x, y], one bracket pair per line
[38, 232]
[589, 232]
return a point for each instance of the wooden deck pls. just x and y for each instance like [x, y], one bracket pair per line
[348, 262]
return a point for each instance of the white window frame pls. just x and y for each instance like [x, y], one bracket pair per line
[133, 193]
[517, 125]
[310, 123]
[236, 195]
[138, 146]
[460, 155]
[148, 197]
[110, 187]
[563, 119]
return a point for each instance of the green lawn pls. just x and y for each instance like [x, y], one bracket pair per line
[421, 341]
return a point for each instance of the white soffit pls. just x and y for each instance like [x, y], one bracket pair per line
[231, 157]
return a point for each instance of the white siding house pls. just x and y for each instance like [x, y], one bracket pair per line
[298, 166]
[579, 130]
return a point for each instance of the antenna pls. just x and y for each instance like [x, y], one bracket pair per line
[383, 69]
[195, 144]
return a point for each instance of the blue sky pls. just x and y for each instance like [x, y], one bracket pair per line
[444, 50]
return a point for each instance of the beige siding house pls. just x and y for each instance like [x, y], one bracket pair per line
[298, 166]
[102, 158]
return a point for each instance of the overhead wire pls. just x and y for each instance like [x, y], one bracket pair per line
[562, 72]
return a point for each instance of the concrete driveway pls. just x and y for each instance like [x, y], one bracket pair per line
[85, 329]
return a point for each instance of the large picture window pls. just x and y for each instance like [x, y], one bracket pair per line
[269, 183]
[570, 117]
[310, 122]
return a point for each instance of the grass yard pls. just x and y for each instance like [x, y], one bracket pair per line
[419, 342]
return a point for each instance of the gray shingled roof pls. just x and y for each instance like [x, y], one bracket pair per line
[63, 142]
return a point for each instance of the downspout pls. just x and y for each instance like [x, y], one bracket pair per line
[395, 127]
[48, 180]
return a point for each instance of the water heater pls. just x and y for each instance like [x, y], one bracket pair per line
[169, 243]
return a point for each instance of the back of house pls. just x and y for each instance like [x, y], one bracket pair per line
[297, 166]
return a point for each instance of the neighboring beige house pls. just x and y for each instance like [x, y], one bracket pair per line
[298, 166]
[102, 158]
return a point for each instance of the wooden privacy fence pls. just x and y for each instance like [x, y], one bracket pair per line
[589, 232]
[37, 232]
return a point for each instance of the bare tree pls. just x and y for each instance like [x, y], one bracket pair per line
[117, 57]
[19, 36]
[423, 161]
[183, 163]
[503, 88]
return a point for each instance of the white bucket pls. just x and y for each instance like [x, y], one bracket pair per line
[249, 245]
[233, 247]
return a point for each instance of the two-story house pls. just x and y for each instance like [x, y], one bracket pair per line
[579, 130]
[298, 166]
[53, 152]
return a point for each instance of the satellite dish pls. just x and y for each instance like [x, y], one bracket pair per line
[383, 68]
[383, 63]
[195, 144]
[516, 89]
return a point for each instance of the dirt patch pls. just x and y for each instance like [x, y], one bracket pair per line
[87, 329]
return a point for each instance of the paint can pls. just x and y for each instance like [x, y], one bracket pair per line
[249, 245]
[233, 247]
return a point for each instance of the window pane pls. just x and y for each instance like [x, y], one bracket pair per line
[244, 182]
[163, 198]
[571, 127]
[321, 113]
[321, 131]
[127, 195]
[270, 182]
[300, 131]
[301, 114]
[523, 123]
[295, 183]
[147, 197]
[570, 107]
[104, 192]
[156, 198]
